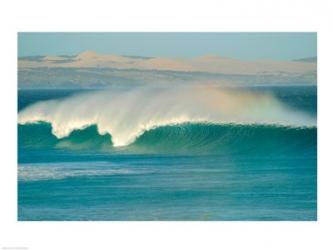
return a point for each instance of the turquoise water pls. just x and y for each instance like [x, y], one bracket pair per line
[189, 171]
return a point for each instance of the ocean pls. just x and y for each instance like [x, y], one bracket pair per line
[97, 155]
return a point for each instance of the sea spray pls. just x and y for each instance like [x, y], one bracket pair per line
[127, 114]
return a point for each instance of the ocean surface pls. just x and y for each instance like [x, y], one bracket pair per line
[71, 168]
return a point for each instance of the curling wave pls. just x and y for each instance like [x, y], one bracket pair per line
[127, 115]
[196, 138]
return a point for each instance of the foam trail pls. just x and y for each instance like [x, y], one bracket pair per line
[127, 114]
[63, 170]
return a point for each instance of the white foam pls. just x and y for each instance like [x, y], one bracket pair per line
[127, 114]
[63, 170]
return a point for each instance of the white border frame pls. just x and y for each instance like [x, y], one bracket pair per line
[149, 15]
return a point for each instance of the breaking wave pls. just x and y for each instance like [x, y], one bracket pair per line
[190, 115]
[186, 138]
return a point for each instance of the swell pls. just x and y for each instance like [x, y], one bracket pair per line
[198, 138]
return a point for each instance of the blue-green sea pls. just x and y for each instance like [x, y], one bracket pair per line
[176, 171]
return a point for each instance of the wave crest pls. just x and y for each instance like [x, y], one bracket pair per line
[128, 114]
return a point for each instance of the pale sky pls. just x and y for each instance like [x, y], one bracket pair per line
[246, 46]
